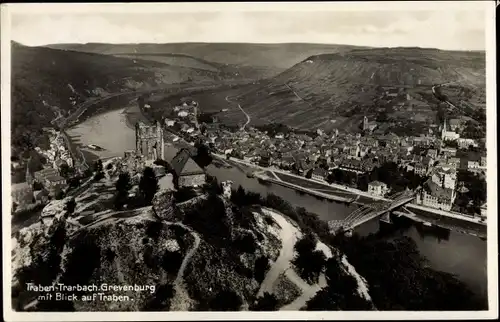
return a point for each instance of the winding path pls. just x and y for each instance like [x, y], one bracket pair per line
[247, 116]
[289, 236]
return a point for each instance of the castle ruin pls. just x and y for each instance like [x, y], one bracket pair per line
[149, 141]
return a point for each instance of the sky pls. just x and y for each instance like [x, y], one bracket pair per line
[452, 29]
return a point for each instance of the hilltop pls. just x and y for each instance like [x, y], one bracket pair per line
[215, 249]
[198, 252]
[50, 83]
[336, 90]
[269, 59]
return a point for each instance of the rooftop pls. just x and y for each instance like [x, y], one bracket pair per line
[183, 164]
[437, 191]
[20, 186]
[377, 183]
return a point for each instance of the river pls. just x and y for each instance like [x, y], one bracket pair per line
[448, 251]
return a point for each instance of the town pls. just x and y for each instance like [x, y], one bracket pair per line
[437, 167]
[440, 163]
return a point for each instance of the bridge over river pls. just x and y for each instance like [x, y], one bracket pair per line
[373, 210]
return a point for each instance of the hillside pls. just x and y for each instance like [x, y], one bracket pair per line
[49, 83]
[336, 90]
[218, 250]
[203, 253]
[270, 59]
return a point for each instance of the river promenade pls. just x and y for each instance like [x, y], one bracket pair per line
[341, 196]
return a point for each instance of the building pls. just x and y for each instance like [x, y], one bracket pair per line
[377, 188]
[368, 126]
[448, 152]
[454, 162]
[186, 173]
[22, 194]
[466, 143]
[434, 196]
[455, 124]
[41, 196]
[149, 141]
[432, 153]
[265, 159]
[482, 162]
[484, 210]
[55, 184]
[473, 165]
[319, 174]
[42, 175]
[420, 169]
[445, 178]
[448, 135]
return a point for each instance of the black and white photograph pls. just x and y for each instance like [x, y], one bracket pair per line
[173, 161]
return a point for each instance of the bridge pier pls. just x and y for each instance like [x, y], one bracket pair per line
[386, 218]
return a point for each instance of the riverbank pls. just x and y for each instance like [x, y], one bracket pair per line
[440, 218]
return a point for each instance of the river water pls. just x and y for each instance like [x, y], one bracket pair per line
[452, 252]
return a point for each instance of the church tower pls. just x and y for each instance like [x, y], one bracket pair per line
[443, 130]
[365, 123]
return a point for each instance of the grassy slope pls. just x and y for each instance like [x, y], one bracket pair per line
[332, 84]
[47, 82]
[264, 59]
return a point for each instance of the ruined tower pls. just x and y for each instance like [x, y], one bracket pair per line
[149, 141]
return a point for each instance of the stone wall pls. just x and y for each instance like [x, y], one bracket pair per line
[164, 207]
[192, 180]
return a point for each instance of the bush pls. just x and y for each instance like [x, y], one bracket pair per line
[70, 206]
[245, 243]
[99, 176]
[82, 262]
[161, 298]
[148, 185]
[171, 261]
[261, 267]
[226, 300]
[153, 229]
[184, 194]
[209, 218]
[309, 262]
[267, 302]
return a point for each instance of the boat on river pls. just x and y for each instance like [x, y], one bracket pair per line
[95, 147]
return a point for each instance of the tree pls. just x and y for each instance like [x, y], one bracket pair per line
[98, 167]
[122, 185]
[64, 170]
[37, 186]
[260, 268]
[59, 194]
[70, 206]
[309, 262]
[148, 185]
[267, 302]
[226, 300]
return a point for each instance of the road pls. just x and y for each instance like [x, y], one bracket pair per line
[247, 116]
[298, 96]
[435, 94]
